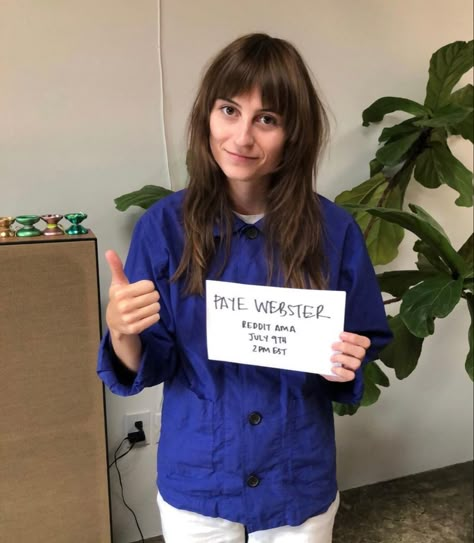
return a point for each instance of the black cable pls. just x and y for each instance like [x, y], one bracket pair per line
[116, 458]
[124, 454]
[117, 450]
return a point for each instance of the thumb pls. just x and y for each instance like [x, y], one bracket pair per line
[116, 268]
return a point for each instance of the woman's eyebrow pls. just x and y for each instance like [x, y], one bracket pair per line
[262, 110]
[229, 100]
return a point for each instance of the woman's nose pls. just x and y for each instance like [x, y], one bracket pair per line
[244, 134]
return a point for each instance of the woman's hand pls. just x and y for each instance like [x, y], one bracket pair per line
[132, 307]
[351, 351]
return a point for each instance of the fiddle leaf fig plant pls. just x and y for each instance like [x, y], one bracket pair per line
[417, 150]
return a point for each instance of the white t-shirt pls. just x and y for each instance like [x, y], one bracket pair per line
[249, 219]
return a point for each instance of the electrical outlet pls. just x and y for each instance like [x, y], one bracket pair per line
[129, 424]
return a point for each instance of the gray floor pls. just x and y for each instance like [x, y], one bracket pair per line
[431, 507]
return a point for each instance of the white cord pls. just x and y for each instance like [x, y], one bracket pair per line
[162, 97]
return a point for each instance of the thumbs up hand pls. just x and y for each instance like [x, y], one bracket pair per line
[133, 307]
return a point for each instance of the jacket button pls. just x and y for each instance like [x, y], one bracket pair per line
[253, 481]
[255, 418]
[251, 232]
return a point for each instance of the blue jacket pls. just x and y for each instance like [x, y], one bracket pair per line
[249, 444]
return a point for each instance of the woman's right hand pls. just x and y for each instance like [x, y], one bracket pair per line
[133, 307]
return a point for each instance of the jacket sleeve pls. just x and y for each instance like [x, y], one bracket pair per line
[147, 259]
[365, 313]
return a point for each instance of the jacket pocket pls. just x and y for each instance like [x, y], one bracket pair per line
[186, 447]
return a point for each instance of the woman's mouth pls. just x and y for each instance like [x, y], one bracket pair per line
[240, 158]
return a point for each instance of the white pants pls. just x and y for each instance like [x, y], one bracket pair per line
[180, 526]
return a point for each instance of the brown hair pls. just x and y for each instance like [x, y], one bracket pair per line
[293, 224]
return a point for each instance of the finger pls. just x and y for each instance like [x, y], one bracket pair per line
[349, 362]
[133, 290]
[350, 349]
[332, 378]
[356, 339]
[140, 326]
[116, 268]
[131, 303]
[141, 313]
[343, 374]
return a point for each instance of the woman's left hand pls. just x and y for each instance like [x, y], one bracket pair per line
[351, 351]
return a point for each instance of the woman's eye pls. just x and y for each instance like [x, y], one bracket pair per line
[228, 110]
[268, 120]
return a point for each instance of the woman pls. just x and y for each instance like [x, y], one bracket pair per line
[243, 449]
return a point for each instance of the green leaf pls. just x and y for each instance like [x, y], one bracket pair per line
[428, 259]
[374, 377]
[438, 135]
[402, 178]
[382, 238]
[422, 214]
[467, 251]
[470, 355]
[464, 97]
[399, 130]
[395, 149]
[403, 352]
[145, 197]
[375, 167]
[443, 167]
[437, 165]
[381, 107]
[423, 264]
[425, 170]
[364, 192]
[397, 283]
[342, 409]
[448, 115]
[433, 298]
[423, 229]
[447, 66]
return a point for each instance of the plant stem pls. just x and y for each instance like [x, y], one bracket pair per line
[391, 301]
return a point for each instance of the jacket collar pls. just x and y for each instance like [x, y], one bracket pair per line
[237, 226]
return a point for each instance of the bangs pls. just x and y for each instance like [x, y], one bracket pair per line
[258, 66]
[274, 68]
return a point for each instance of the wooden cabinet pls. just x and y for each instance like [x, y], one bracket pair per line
[53, 457]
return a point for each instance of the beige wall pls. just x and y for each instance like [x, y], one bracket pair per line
[80, 123]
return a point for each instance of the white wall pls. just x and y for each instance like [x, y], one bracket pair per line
[80, 124]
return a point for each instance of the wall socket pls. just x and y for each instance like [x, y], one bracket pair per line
[129, 425]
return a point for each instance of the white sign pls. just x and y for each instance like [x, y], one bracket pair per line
[275, 327]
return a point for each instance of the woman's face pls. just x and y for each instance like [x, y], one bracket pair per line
[246, 140]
